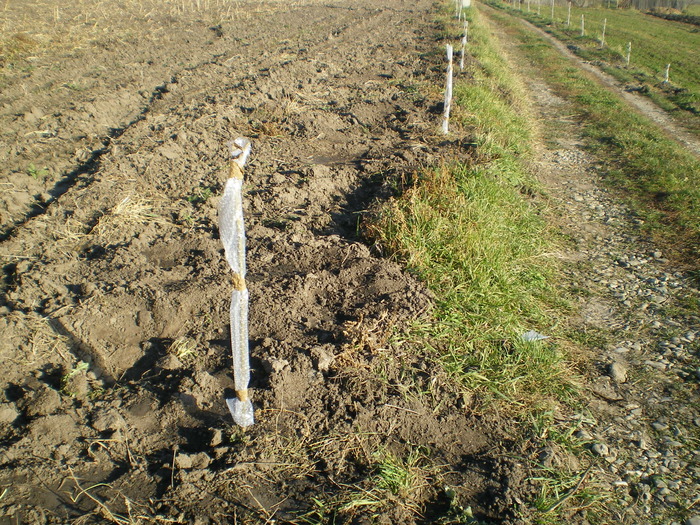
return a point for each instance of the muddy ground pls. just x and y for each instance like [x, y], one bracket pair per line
[114, 124]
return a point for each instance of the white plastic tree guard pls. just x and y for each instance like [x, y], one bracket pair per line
[232, 233]
[448, 93]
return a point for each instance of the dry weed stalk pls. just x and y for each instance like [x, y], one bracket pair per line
[128, 212]
[43, 340]
[364, 336]
[104, 510]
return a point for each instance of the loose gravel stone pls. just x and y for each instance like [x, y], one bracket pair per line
[600, 449]
[618, 372]
[652, 353]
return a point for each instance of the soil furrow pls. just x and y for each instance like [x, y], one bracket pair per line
[115, 310]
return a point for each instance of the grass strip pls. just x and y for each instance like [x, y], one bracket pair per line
[473, 234]
[655, 43]
[660, 178]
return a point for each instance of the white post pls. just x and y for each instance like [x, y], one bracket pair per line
[568, 17]
[583, 31]
[552, 12]
[629, 53]
[668, 69]
[448, 92]
[528, 6]
[232, 234]
[539, 5]
[602, 37]
[464, 46]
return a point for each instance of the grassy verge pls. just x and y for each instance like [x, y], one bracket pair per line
[659, 176]
[474, 231]
[471, 231]
[655, 43]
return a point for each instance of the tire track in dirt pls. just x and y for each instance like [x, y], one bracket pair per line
[641, 103]
[84, 170]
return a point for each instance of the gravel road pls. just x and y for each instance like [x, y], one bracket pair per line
[638, 314]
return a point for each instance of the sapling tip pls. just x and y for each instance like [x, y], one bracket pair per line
[232, 233]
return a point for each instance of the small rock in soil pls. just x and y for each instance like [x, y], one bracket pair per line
[600, 449]
[275, 365]
[192, 461]
[8, 413]
[618, 372]
[217, 438]
[108, 420]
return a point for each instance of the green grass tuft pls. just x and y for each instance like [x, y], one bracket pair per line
[475, 237]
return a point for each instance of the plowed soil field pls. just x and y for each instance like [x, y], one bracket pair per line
[114, 124]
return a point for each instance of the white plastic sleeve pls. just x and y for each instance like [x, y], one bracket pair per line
[231, 226]
[239, 339]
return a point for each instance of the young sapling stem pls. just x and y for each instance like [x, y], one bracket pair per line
[552, 12]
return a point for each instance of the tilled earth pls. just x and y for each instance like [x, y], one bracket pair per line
[114, 305]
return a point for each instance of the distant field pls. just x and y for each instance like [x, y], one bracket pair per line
[655, 43]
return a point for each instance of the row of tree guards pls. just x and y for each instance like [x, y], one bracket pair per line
[232, 234]
[517, 4]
